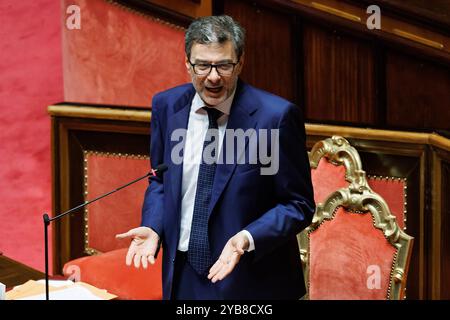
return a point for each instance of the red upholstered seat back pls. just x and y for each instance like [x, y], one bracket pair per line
[393, 192]
[120, 211]
[326, 179]
[354, 247]
[349, 258]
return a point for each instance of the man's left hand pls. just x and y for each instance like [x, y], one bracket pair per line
[229, 258]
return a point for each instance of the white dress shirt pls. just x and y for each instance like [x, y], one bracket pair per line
[196, 132]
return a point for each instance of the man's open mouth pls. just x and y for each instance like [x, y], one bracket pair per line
[214, 90]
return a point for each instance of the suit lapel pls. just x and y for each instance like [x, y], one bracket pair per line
[179, 120]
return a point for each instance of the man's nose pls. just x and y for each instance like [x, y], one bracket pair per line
[213, 76]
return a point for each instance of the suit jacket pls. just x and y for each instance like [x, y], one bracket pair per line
[273, 208]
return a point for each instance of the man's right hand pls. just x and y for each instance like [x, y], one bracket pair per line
[143, 247]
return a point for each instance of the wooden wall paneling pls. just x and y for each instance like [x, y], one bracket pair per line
[418, 93]
[269, 58]
[445, 240]
[60, 176]
[339, 78]
[399, 28]
[434, 14]
[380, 85]
[56, 190]
[298, 64]
[344, 73]
[440, 205]
[75, 135]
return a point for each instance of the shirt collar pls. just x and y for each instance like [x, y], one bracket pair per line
[224, 107]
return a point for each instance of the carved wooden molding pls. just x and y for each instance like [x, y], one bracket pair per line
[89, 112]
[144, 115]
[335, 11]
[380, 135]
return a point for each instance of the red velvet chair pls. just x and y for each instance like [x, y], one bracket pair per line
[104, 267]
[343, 251]
[355, 249]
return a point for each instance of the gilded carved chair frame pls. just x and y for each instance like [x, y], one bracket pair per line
[357, 197]
[338, 151]
[365, 202]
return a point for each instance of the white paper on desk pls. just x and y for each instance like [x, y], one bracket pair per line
[71, 293]
[57, 283]
[2, 291]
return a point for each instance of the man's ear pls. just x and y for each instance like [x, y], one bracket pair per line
[241, 62]
[186, 62]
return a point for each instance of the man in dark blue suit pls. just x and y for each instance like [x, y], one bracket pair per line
[238, 188]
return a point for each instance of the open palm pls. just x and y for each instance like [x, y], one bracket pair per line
[143, 247]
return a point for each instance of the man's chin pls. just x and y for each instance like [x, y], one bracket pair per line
[213, 101]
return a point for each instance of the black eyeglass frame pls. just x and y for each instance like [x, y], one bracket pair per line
[211, 66]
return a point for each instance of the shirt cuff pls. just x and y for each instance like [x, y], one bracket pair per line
[251, 245]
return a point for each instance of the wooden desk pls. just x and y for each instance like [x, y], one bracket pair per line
[13, 273]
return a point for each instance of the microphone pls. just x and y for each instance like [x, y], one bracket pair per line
[159, 170]
[156, 172]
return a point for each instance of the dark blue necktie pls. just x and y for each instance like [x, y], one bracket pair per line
[199, 255]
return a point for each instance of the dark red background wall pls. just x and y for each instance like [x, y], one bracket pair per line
[117, 57]
[31, 78]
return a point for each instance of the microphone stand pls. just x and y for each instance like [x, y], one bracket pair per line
[47, 220]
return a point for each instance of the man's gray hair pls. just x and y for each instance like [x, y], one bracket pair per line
[215, 29]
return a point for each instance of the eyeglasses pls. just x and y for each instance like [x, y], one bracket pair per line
[223, 69]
